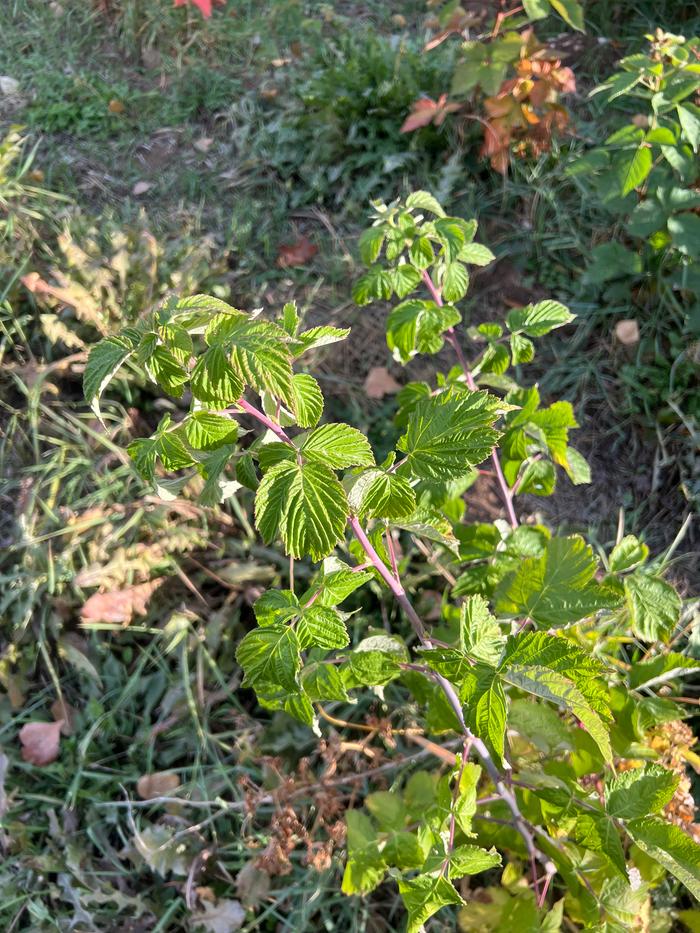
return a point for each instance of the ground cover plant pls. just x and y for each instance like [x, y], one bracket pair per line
[556, 627]
[155, 153]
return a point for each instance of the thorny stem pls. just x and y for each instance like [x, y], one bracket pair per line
[506, 491]
[394, 584]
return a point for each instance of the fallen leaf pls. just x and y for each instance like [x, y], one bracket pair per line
[226, 916]
[280, 62]
[426, 110]
[40, 742]
[116, 106]
[158, 784]
[36, 175]
[296, 254]
[64, 714]
[141, 187]
[203, 144]
[204, 6]
[380, 382]
[268, 93]
[252, 885]
[119, 606]
[627, 332]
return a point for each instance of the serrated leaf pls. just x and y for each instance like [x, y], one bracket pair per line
[539, 319]
[377, 494]
[336, 585]
[487, 710]
[476, 254]
[424, 201]
[455, 282]
[305, 504]
[165, 369]
[405, 279]
[556, 688]
[557, 588]
[276, 606]
[450, 233]
[627, 554]
[338, 446]
[260, 357]
[416, 326]
[317, 337]
[669, 846]
[206, 430]
[424, 896]
[480, 635]
[596, 831]
[470, 860]
[370, 244]
[214, 381]
[689, 118]
[322, 626]
[522, 349]
[577, 468]
[653, 605]
[387, 808]
[270, 657]
[104, 361]
[449, 433]
[661, 669]
[323, 682]
[640, 792]
[421, 252]
[377, 283]
[307, 400]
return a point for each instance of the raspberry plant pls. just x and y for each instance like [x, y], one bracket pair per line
[543, 670]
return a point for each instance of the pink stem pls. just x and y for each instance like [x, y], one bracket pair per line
[263, 419]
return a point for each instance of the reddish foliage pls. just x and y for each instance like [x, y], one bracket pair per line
[426, 110]
[296, 254]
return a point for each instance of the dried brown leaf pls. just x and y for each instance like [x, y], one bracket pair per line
[296, 254]
[158, 784]
[64, 714]
[627, 332]
[380, 382]
[119, 606]
[40, 742]
[226, 916]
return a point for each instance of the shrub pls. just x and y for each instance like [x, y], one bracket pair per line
[546, 659]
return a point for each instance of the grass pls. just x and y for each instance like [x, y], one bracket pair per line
[270, 121]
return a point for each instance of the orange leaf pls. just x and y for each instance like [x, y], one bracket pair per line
[296, 254]
[204, 6]
[40, 742]
[119, 606]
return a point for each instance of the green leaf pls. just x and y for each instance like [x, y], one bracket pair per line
[365, 867]
[165, 369]
[480, 635]
[539, 478]
[270, 657]
[217, 488]
[276, 606]
[522, 349]
[424, 896]
[476, 254]
[577, 468]
[654, 606]
[377, 283]
[424, 201]
[206, 430]
[557, 588]
[387, 808]
[338, 446]
[627, 554]
[539, 319]
[377, 494]
[689, 117]
[556, 688]
[322, 626]
[307, 400]
[640, 792]
[370, 244]
[421, 252]
[487, 710]
[323, 682]
[405, 278]
[455, 282]
[450, 433]
[337, 585]
[597, 832]
[214, 381]
[104, 361]
[611, 261]
[571, 12]
[536, 9]
[261, 357]
[661, 669]
[450, 233]
[685, 233]
[305, 504]
[317, 337]
[416, 326]
[632, 168]
[671, 847]
[470, 860]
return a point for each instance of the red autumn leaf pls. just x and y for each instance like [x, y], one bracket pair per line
[119, 606]
[296, 254]
[40, 742]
